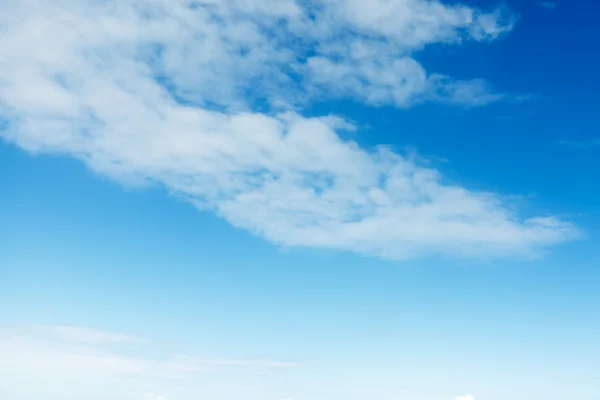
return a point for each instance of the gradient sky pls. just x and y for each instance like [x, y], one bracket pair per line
[324, 200]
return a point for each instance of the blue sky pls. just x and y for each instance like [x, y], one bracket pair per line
[329, 200]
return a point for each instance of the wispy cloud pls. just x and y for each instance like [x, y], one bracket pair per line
[585, 144]
[68, 333]
[205, 99]
[377, 392]
[79, 347]
[152, 396]
[27, 356]
[550, 5]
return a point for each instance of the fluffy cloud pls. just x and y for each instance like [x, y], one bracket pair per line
[204, 98]
[465, 397]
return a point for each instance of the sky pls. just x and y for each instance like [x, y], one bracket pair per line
[307, 200]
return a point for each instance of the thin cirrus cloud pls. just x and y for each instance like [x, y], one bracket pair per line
[550, 5]
[465, 397]
[69, 333]
[205, 99]
[580, 144]
[36, 358]
[34, 347]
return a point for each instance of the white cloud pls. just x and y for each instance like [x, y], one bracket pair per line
[465, 397]
[171, 92]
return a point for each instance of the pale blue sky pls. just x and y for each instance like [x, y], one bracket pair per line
[178, 221]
